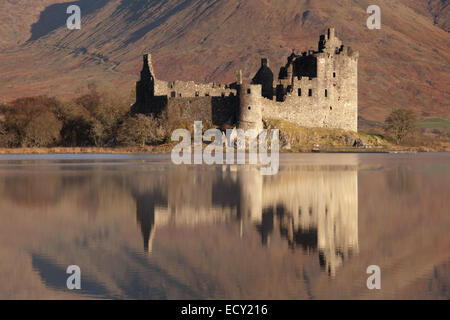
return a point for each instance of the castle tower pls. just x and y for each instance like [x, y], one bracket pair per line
[145, 88]
[337, 72]
[264, 77]
[250, 108]
[329, 43]
[331, 33]
[147, 68]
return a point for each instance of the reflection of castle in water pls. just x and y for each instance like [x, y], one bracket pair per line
[314, 208]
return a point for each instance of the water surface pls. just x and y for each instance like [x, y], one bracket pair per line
[142, 228]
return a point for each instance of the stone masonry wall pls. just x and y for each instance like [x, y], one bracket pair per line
[209, 110]
[310, 111]
[328, 101]
[190, 89]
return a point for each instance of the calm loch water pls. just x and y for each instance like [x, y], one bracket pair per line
[142, 228]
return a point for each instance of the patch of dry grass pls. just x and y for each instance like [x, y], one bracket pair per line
[303, 139]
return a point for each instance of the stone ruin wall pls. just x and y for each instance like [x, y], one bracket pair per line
[208, 109]
[187, 101]
[190, 89]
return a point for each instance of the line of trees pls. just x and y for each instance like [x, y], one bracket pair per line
[92, 119]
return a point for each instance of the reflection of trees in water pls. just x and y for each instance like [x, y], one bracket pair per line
[85, 187]
[402, 180]
[31, 190]
[47, 186]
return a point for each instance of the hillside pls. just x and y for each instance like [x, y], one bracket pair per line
[405, 64]
[16, 18]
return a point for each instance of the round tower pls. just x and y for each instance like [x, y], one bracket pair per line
[250, 107]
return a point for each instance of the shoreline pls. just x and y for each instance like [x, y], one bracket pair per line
[166, 149]
[163, 149]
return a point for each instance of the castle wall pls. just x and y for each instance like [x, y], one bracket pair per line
[154, 105]
[190, 89]
[210, 110]
[186, 101]
[310, 112]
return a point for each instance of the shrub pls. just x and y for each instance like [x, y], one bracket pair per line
[140, 130]
[42, 131]
[30, 122]
[4, 136]
[104, 112]
[93, 118]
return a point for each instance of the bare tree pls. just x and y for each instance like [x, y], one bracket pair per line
[400, 124]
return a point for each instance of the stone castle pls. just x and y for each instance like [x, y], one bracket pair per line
[314, 89]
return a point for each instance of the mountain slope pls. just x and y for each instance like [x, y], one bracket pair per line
[441, 13]
[16, 17]
[405, 64]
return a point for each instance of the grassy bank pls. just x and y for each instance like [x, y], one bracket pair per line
[302, 139]
[435, 123]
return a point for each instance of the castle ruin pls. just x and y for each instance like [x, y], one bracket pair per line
[314, 89]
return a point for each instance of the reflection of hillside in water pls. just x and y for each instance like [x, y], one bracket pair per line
[314, 208]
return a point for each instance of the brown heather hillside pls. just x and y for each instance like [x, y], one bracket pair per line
[16, 17]
[405, 64]
[441, 13]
